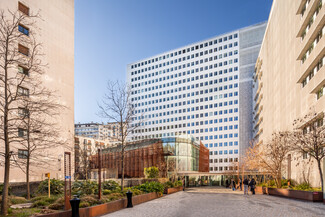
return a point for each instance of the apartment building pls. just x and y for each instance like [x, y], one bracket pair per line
[203, 89]
[105, 132]
[290, 76]
[55, 31]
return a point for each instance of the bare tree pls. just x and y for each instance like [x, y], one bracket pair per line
[83, 154]
[116, 106]
[270, 157]
[39, 129]
[20, 62]
[310, 138]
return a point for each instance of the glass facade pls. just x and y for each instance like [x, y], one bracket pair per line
[182, 153]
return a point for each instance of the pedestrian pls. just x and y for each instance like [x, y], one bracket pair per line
[252, 184]
[184, 183]
[245, 182]
[240, 184]
[233, 183]
[227, 185]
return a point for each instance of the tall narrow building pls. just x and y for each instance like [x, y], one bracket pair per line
[203, 89]
[289, 78]
[55, 32]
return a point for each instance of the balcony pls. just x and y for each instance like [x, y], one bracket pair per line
[316, 82]
[312, 34]
[317, 53]
[307, 16]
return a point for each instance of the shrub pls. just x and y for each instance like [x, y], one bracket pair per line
[303, 187]
[84, 204]
[84, 187]
[151, 187]
[178, 183]
[17, 200]
[168, 184]
[151, 172]
[110, 185]
[89, 199]
[56, 186]
[40, 203]
[58, 204]
[1, 189]
[106, 192]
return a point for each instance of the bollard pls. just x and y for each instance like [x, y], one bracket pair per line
[75, 206]
[129, 196]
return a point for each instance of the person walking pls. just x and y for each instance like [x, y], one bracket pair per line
[245, 182]
[183, 183]
[240, 184]
[252, 184]
[227, 185]
[233, 183]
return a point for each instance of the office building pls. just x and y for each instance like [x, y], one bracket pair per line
[204, 90]
[105, 132]
[289, 78]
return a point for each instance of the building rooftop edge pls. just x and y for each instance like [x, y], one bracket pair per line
[207, 39]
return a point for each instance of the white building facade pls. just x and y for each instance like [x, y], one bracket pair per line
[203, 89]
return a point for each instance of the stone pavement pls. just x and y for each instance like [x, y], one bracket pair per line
[221, 202]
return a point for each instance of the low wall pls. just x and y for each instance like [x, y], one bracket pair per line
[107, 207]
[172, 190]
[295, 194]
[19, 188]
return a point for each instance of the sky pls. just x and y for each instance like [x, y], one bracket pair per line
[109, 34]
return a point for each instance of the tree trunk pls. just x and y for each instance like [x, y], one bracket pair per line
[122, 159]
[4, 203]
[27, 178]
[320, 173]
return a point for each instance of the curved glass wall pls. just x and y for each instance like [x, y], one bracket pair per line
[181, 153]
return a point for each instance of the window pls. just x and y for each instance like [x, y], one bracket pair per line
[23, 91]
[22, 154]
[23, 8]
[23, 29]
[22, 70]
[23, 50]
[23, 112]
[22, 132]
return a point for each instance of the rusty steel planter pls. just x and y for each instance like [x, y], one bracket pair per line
[173, 190]
[107, 207]
[295, 194]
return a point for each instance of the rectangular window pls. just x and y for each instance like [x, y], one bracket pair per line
[23, 8]
[22, 70]
[22, 132]
[22, 154]
[23, 50]
[23, 91]
[23, 29]
[23, 112]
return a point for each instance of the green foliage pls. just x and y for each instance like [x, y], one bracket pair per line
[90, 199]
[17, 200]
[305, 187]
[271, 183]
[151, 172]
[168, 184]
[151, 187]
[84, 187]
[84, 204]
[43, 201]
[178, 183]
[106, 192]
[110, 185]
[58, 204]
[56, 187]
[1, 189]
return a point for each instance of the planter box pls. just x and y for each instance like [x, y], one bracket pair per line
[295, 194]
[107, 207]
[261, 190]
[173, 190]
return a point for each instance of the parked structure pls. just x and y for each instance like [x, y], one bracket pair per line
[203, 90]
[173, 155]
[55, 31]
[290, 76]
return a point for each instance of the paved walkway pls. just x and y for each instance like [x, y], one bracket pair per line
[221, 202]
